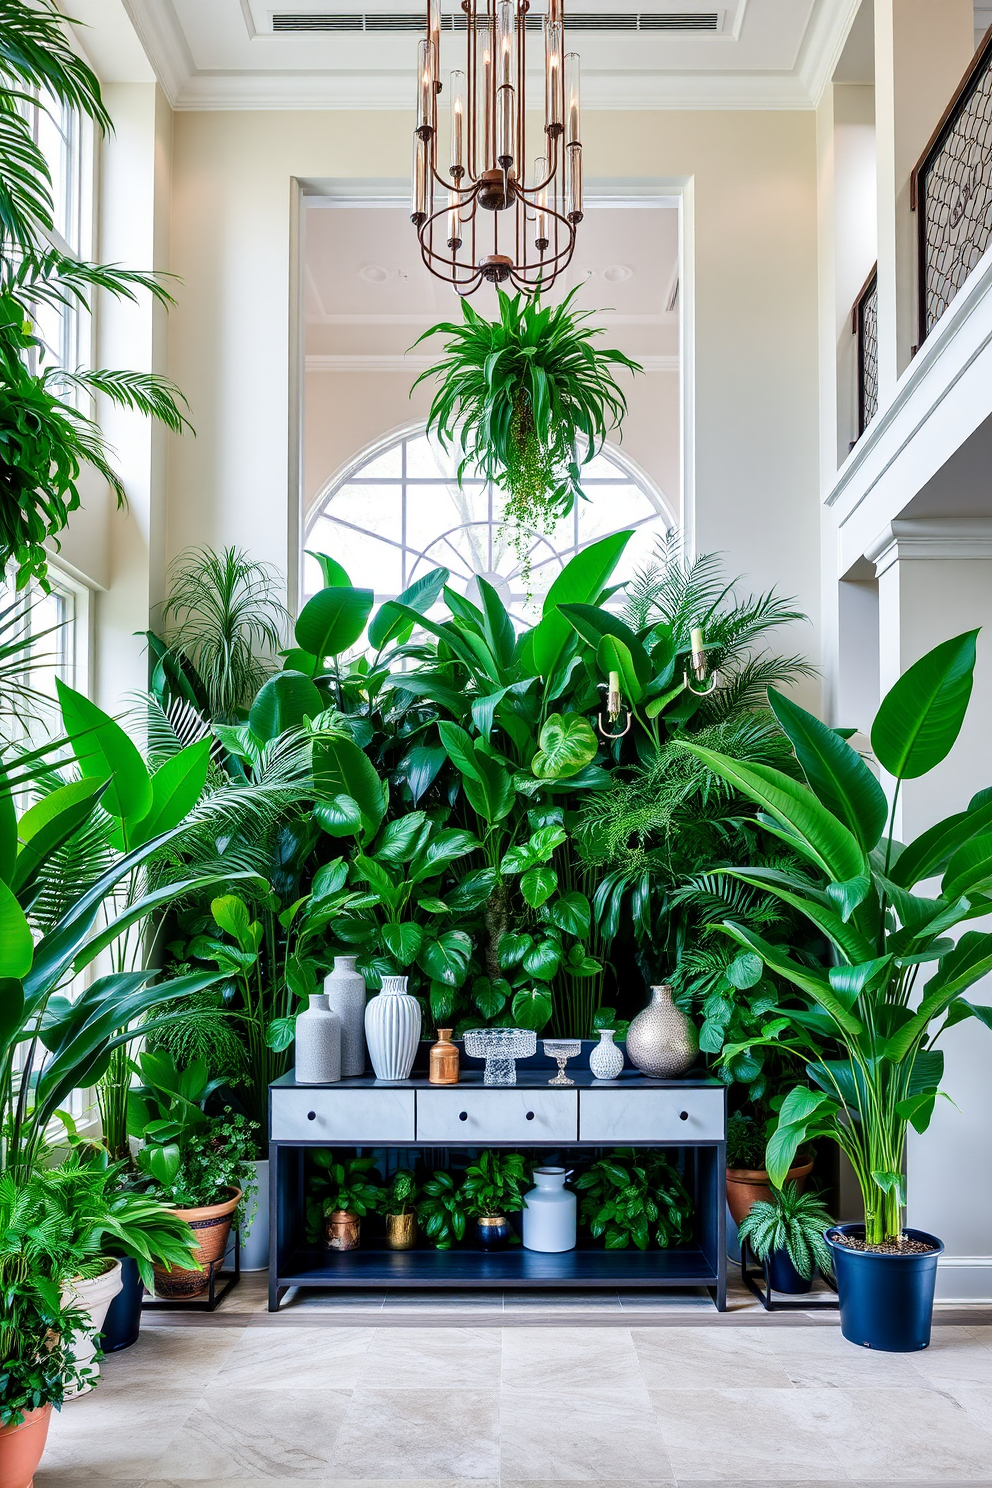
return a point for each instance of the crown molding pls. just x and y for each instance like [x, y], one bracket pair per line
[158, 29]
[921, 538]
[823, 44]
[401, 362]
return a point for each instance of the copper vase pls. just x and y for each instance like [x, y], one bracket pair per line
[401, 1231]
[342, 1230]
[444, 1060]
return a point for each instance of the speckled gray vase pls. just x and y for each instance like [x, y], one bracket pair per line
[318, 1044]
[392, 1029]
[344, 989]
[661, 1041]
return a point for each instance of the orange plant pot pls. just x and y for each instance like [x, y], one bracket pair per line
[21, 1448]
[212, 1225]
[746, 1185]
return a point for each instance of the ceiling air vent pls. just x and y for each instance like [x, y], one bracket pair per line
[284, 22]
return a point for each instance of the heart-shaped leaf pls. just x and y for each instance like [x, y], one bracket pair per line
[567, 744]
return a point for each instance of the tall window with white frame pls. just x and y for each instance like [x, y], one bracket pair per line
[397, 511]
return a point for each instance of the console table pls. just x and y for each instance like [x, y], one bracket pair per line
[574, 1122]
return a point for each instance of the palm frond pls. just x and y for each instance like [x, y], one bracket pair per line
[145, 392]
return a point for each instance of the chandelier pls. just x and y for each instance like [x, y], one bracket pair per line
[478, 218]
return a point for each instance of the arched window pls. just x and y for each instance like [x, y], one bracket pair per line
[397, 512]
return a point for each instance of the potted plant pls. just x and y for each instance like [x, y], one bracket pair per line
[493, 1188]
[441, 1211]
[747, 1177]
[400, 1206]
[786, 1230]
[199, 1166]
[633, 1197]
[342, 1192]
[895, 978]
[529, 399]
[39, 1333]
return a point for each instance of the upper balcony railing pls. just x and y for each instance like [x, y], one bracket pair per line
[951, 192]
[864, 325]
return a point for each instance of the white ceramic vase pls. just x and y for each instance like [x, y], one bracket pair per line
[318, 1044]
[94, 1297]
[344, 989]
[605, 1059]
[549, 1218]
[392, 1029]
[255, 1243]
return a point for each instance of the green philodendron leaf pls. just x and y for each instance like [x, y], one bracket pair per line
[340, 817]
[16, 940]
[837, 774]
[284, 702]
[921, 716]
[745, 971]
[970, 869]
[391, 624]
[567, 744]
[612, 655]
[581, 581]
[512, 949]
[542, 959]
[341, 768]
[446, 957]
[332, 573]
[532, 1008]
[106, 751]
[571, 913]
[332, 621]
[538, 884]
[403, 941]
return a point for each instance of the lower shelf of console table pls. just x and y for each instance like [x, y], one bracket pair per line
[569, 1125]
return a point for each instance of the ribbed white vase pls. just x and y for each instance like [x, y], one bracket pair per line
[344, 989]
[392, 1030]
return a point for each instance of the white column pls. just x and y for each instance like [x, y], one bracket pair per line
[935, 581]
[922, 49]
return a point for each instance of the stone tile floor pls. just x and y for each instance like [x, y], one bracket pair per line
[469, 1391]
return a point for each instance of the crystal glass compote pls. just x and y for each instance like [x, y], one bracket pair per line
[500, 1048]
[562, 1050]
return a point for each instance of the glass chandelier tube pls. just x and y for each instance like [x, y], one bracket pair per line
[421, 204]
[454, 224]
[541, 204]
[458, 122]
[573, 102]
[552, 77]
[425, 89]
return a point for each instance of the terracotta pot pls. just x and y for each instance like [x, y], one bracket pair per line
[342, 1231]
[401, 1231]
[21, 1448]
[212, 1224]
[746, 1185]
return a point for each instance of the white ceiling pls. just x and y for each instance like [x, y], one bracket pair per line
[368, 293]
[223, 54]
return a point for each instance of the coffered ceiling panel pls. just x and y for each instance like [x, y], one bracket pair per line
[361, 53]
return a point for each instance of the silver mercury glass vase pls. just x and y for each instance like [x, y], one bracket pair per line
[661, 1041]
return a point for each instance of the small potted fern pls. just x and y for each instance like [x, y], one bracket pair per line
[787, 1232]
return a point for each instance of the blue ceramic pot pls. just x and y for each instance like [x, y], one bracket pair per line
[886, 1301]
[123, 1321]
[492, 1233]
[783, 1276]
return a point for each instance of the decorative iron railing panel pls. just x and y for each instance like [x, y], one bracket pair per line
[864, 323]
[952, 192]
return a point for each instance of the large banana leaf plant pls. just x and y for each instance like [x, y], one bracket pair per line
[897, 979]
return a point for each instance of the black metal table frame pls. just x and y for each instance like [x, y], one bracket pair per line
[215, 1295]
[801, 1302]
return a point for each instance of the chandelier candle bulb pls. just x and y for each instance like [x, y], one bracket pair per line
[457, 82]
[573, 130]
[505, 111]
[454, 232]
[425, 89]
[484, 113]
[698, 645]
[573, 183]
[541, 215]
[505, 19]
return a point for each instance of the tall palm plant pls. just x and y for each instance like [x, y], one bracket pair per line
[46, 438]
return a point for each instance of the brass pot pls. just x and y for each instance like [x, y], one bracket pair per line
[401, 1231]
[342, 1230]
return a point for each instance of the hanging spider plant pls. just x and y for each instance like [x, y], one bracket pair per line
[528, 399]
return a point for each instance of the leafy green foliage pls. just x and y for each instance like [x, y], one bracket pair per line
[529, 398]
[351, 1184]
[493, 1185]
[633, 1198]
[789, 1221]
[402, 1193]
[441, 1212]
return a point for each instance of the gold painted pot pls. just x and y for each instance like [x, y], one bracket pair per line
[401, 1231]
[342, 1230]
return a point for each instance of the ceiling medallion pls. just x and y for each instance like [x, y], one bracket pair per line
[493, 224]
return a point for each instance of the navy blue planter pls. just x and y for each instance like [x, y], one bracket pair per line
[783, 1276]
[123, 1321]
[886, 1301]
[492, 1234]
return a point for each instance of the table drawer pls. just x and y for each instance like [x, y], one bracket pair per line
[657, 1115]
[357, 1117]
[504, 1115]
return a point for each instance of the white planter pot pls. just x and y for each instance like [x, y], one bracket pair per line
[93, 1297]
[392, 1030]
[255, 1240]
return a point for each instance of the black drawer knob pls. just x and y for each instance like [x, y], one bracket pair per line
[683, 1115]
[311, 1115]
[530, 1115]
[462, 1115]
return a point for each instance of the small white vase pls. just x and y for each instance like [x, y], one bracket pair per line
[549, 1218]
[94, 1297]
[318, 1044]
[606, 1060]
[255, 1241]
[344, 989]
[392, 1030]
